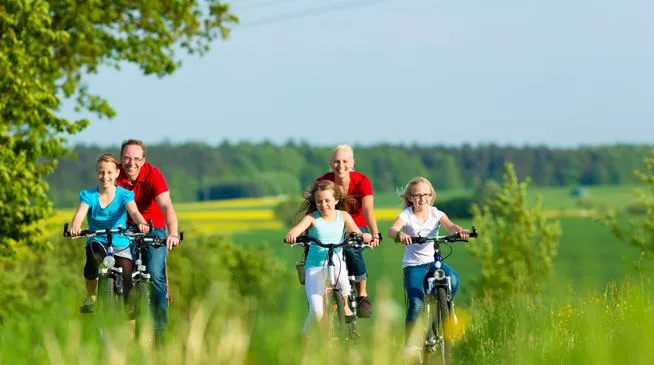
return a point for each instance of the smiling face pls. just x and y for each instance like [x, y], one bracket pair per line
[132, 159]
[325, 202]
[419, 193]
[107, 173]
[342, 163]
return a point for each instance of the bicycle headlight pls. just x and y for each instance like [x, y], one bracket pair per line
[109, 261]
[439, 274]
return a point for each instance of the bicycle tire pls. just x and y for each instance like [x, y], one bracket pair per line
[442, 328]
[110, 296]
[335, 309]
[143, 312]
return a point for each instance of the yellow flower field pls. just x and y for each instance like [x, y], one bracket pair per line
[239, 215]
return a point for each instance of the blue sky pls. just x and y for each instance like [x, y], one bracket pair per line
[560, 73]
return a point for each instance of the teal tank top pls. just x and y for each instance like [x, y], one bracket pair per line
[325, 232]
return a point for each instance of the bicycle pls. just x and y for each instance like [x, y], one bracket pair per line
[333, 298]
[354, 293]
[111, 294]
[438, 301]
[140, 275]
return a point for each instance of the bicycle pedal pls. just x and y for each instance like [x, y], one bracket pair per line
[431, 341]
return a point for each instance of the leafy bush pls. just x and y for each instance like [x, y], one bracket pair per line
[36, 279]
[516, 244]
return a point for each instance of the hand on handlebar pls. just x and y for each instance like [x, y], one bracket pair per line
[290, 238]
[464, 234]
[75, 230]
[403, 238]
[144, 228]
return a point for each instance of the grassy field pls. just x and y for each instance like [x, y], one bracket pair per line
[583, 316]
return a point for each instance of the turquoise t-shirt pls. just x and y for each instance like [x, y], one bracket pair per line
[111, 216]
[325, 232]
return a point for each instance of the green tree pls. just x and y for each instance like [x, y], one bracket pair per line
[516, 244]
[46, 47]
[639, 230]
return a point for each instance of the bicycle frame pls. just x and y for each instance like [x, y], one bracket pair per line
[438, 299]
[331, 289]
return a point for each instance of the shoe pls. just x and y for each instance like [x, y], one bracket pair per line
[88, 306]
[364, 307]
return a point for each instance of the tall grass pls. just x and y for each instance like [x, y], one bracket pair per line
[610, 327]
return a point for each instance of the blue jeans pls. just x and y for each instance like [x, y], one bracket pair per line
[414, 286]
[354, 261]
[154, 259]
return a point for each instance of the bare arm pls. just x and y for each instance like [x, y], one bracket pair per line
[78, 218]
[369, 213]
[166, 205]
[453, 228]
[137, 217]
[300, 227]
[350, 226]
[395, 232]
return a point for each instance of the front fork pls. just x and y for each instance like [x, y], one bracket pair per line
[439, 279]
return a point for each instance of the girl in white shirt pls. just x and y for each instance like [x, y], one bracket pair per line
[420, 218]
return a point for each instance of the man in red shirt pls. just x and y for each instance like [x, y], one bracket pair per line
[357, 186]
[153, 201]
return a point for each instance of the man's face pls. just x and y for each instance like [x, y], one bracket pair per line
[132, 160]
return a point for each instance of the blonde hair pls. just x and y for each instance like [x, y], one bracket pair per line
[345, 148]
[107, 157]
[406, 194]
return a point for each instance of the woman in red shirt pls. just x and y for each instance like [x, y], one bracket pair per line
[358, 188]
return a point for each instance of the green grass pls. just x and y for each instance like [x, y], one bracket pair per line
[582, 317]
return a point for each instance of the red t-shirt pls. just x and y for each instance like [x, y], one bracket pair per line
[149, 184]
[360, 186]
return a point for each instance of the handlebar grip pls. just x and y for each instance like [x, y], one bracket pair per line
[181, 236]
[66, 233]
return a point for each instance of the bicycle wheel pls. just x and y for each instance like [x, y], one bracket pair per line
[430, 344]
[143, 312]
[334, 307]
[442, 329]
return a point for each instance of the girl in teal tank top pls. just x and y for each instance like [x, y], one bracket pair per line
[324, 219]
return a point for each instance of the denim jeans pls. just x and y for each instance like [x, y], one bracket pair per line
[354, 261]
[414, 286]
[154, 259]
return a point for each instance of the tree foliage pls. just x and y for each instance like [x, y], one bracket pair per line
[639, 230]
[516, 245]
[46, 49]
[193, 168]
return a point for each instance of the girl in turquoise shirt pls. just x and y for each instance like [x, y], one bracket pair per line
[106, 207]
[327, 222]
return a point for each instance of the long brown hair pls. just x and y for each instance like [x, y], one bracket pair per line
[308, 206]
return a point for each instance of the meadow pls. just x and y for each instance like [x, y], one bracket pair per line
[593, 310]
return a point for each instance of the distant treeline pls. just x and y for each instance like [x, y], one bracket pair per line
[197, 171]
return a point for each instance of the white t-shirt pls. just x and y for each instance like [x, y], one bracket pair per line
[418, 254]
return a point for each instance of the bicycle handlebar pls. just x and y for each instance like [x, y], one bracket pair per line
[443, 239]
[353, 241]
[131, 231]
[107, 231]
